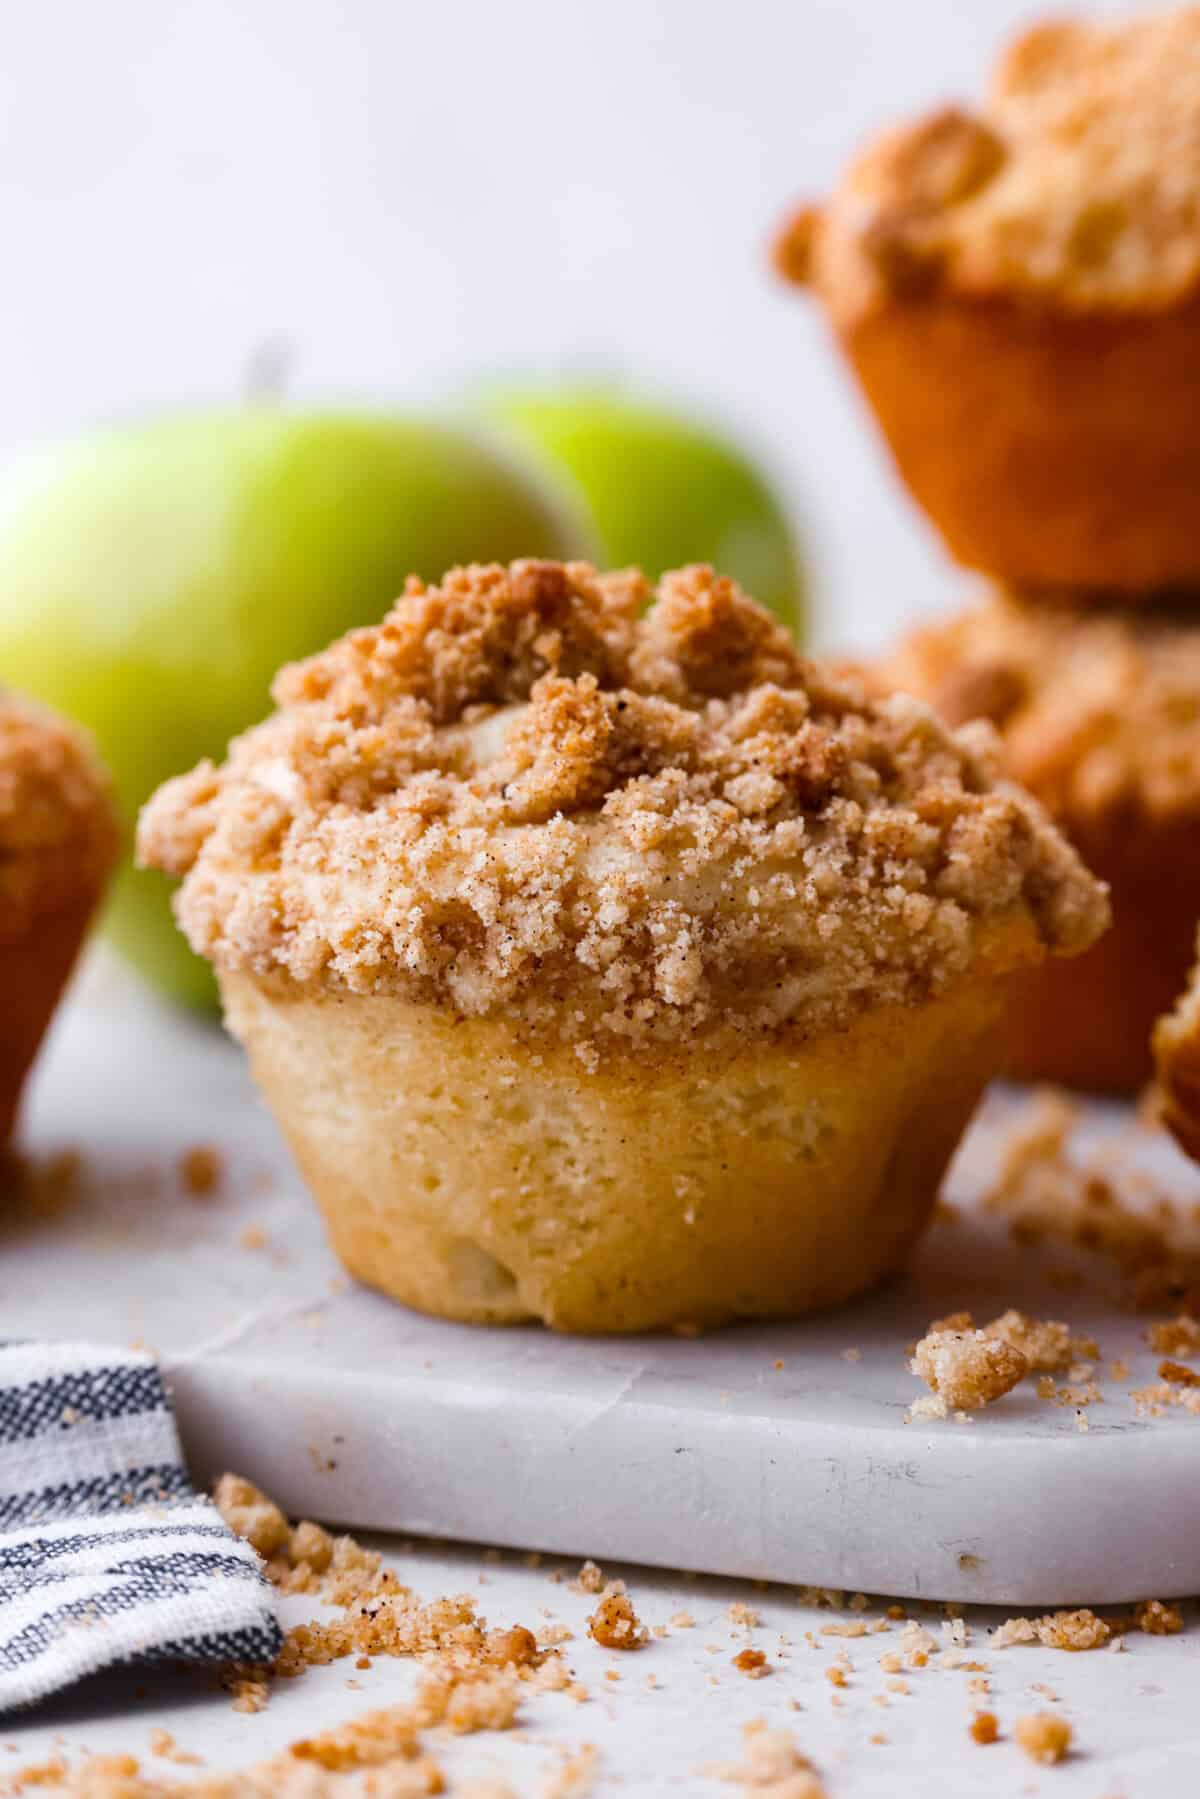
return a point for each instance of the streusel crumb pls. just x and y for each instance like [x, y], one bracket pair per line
[771, 1764]
[1073, 1631]
[967, 1369]
[1075, 181]
[1044, 1736]
[524, 791]
[615, 1624]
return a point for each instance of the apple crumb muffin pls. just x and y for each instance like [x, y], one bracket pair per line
[574, 937]
[1017, 286]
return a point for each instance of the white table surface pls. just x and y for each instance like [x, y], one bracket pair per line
[1135, 1713]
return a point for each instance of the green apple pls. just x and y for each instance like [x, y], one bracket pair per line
[660, 488]
[152, 580]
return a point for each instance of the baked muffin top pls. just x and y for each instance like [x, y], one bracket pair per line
[1098, 705]
[58, 836]
[1077, 182]
[528, 790]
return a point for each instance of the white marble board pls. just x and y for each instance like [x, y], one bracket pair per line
[696, 1453]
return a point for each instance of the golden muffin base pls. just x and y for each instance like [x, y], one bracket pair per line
[471, 1176]
[35, 964]
[1049, 449]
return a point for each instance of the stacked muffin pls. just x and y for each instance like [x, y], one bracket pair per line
[58, 842]
[1018, 292]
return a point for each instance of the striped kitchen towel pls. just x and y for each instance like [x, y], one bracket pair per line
[106, 1553]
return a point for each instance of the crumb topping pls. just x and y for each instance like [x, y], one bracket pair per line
[967, 1369]
[525, 792]
[58, 835]
[1098, 708]
[1076, 182]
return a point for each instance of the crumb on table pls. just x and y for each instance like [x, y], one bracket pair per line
[1044, 1736]
[966, 1369]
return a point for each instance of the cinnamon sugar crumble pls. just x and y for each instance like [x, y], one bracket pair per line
[966, 1369]
[670, 817]
[615, 1625]
[984, 1727]
[1073, 182]
[1044, 1736]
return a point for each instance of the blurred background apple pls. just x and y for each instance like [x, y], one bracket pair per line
[659, 487]
[152, 580]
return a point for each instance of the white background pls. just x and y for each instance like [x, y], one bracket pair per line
[408, 194]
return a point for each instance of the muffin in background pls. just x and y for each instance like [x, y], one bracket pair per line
[1177, 1065]
[58, 842]
[1018, 291]
[612, 966]
[1098, 711]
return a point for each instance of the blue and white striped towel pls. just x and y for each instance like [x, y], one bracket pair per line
[106, 1553]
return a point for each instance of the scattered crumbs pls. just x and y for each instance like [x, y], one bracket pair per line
[835, 1674]
[250, 1690]
[1157, 1619]
[778, 1366]
[854, 1628]
[891, 1663]
[201, 1170]
[1178, 1374]
[743, 1616]
[966, 1369]
[771, 1764]
[858, 1602]
[615, 1625]
[1046, 1343]
[916, 1644]
[588, 1580]
[573, 1778]
[163, 1744]
[984, 1727]
[1074, 1631]
[1044, 1736]
[1174, 1336]
[930, 1405]
[898, 1685]
[752, 1663]
[1118, 1370]
[1155, 1401]
[252, 1237]
[682, 1621]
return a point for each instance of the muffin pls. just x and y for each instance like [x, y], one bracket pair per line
[1098, 710]
[1177, 1064]
[57, 845]
[609, 964]
[1018, 291]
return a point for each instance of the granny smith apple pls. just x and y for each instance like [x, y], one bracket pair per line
[661, 488]
[152, 580]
